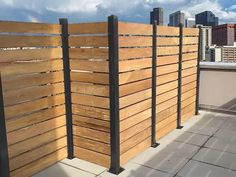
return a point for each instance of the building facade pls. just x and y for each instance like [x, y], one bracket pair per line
[190, 22]
[158, 15]
[206, 18]
[176, 18]
[224, 34]
[205, 40]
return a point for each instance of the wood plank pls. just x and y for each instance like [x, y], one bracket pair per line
[134, 28]
[29, 27]
[88, 41]
[36, 141]
[93, 112]
[29, 41]
[125, 157]
[125, 78]
[190, 31]
[134, 109]
[36, 129]
[135, 41]
[167, 78]
[190, 48]
[164, 131]
[188, 108]
[90, 89]
[40, 164]
[30, 67]
[90, 100]
[88, 28]
[34, 118]
[31, 80]
[96, 66]
[190, 40]
[135, 140]
[130, 65]
[165, 105]
[189, 79]
[96, 78]
[132, 131]
[92, 134]
[166, 60]
[36, 105]
[35, 154]
[167, 121]
[89, 53]
[188, 101]
[189, 64]
[134, 98]
[167, 31]
[135, 87]
[129, 53]
[30, 54]
[131, 121]
[166, 87]
[32, 93]
[166, 113]
[188, 87]
[167, 41]
[92, 156]
[167, 69]
[188, 94]
[190, 56]
[166, 96]
[91, 145]
[171, 50]
[92, 123]
[189, 71]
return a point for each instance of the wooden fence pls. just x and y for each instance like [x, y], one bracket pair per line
[130, 85]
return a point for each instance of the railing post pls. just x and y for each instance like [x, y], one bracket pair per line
[154, 144]
[198, 72]
[179, 126]
[4, 159]
[114, 94]
[67, 85]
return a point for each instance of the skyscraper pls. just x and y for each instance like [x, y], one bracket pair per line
[176, 18]
[223, 35]
[190, 22]
[206, 18]
[157, 14]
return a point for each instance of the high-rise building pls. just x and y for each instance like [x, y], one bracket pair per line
[224, 34]
[190, 22]
[176, 18]
[157, 14]
[205, 40]
[206, 18]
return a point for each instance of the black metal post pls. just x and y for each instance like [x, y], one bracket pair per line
[154, 144]
[114, 94]
[67, 85]
[4, 159]
[179, 126]
[198, 71]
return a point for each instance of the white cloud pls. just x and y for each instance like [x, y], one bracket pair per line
[92, 10]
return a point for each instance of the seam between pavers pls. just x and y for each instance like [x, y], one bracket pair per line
[202, 146]
[78, 168]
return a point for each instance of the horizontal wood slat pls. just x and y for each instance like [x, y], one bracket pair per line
[166, 87]
[30, 54]
[190, 31]
[134, 41]
[189, 71]
[96, 66]
[167, 41]
[167, 31]
[166, 60]
[88, 28]
[129, 53]
[29, 41]
[167, 69]
[189, 64]
[190, 48]
[88, 41]
[89, 77]
[190, 56]
[130, 65]
[190, 40]
[29, 27]
[171, 50]
[88, 53]
[167, 78]
[134, 28]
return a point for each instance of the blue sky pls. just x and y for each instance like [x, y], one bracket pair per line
[98, 10]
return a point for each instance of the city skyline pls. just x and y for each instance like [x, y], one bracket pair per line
[98, 10]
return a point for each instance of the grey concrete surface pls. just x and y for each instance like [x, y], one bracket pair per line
[205, 147]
